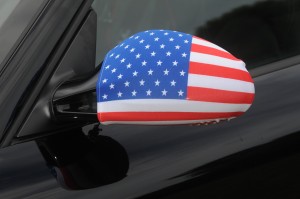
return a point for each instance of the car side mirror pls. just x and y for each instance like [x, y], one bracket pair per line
[161, 77]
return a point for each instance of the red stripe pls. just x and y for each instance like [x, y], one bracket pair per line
[212, 51]
[162, 116]
[219, 71]
[221, 96]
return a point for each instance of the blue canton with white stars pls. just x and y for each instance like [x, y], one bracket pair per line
[149, 65]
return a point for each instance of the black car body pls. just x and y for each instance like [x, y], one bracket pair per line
[51, 64]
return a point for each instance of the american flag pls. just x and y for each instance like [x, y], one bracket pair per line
[168, 77]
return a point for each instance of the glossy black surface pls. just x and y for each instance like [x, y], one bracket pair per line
[81, 162]
[211, 156]
[270, 170]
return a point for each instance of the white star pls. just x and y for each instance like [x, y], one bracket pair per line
[120, 76]
[129, 65]
[180, 93]
[159, 63]
[164, 92]
[150, 72]
[157, 83]
[153, 54]
[104, 81]
[180, 35]
[156, 39]
[152, 33]
[177, 47]
[166, 72]
[184, 54]
[122, 45]
[112, 54]
[107, 67]
[166, 33]
[134, 93]
[126, 46]
[162, 46]
[132, 50]
[120, 94]
[127, 83]
[175, 63]
[142, 41]
[186, 41]
[147, 46]
[142, 82]
[171, 39]
[182, 73]
[148, 92]
[137, 37]
[113, 70]
[104, 96]
[135, 73]
[137, 56]
[123, 60]
[111, 86]
[144, 63]
[173, 83]
[168, 53]
[117, 56]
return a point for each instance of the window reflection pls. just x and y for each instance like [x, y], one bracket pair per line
[258, 34]
[254, 30]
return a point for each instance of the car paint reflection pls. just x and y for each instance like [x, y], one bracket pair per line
[79, 162]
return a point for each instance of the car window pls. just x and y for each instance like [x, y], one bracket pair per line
[256, 31]
[15, 16]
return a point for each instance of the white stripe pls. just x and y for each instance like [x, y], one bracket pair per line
[169, 105]
[220, 83]
[215, 60]
[206, 43]
[166, 122]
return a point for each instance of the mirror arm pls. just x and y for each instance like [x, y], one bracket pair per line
[76, 101]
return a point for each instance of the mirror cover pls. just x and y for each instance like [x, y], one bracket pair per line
[163, 77]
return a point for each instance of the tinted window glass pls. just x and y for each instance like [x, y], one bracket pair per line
[15, 15]
[256, 31]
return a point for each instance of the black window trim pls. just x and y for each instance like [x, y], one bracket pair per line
[57, 42]
[275, 66]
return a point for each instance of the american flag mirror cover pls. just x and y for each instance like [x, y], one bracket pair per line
[163, 77]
